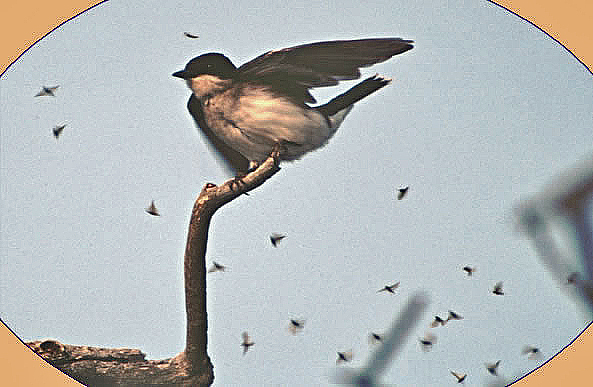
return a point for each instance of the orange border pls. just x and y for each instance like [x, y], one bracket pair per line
[27, 22]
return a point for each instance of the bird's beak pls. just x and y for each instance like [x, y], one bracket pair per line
[181, 74]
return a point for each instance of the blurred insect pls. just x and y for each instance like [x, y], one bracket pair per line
[216, 267]
[572, 278]
[375, 338]
[192, 36]
[498, 289]
[246, 342]
[427, 341]
[532, 351]
[401, 192]
[47, 91]
[389, 288]
[344, 357]
[57, 130]
[460, 377]
[296, 326]
[469, 270]
[437, 321]
[275, 238]
[493, 367]
[454, 316]
[152, 210]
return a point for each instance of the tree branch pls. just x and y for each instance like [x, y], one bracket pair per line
[210, 199]
[123, 367]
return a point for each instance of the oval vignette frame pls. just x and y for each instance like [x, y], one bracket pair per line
[556, 20]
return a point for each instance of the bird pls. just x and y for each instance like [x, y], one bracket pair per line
[216, 267]
[427, 341]
[152, 210]
[498, 289]
[401, 192]
[460, 377]
[191, 36]
[245, 112]
[275, 238]
[246, 342]
[47, 91]
[454, 316]
[469, 270]
[57, 130]
[438, 321]
[296, 326]
[493, 367]
[389, 288]
[344, 357]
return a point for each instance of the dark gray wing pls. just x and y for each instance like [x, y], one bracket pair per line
[234, 162]
[292, 71]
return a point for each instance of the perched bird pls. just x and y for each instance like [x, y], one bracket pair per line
[47, 91]
[454, 316]
[389, 288]
[152, 210]
[57, 130]
[216, 267]
[498, 289]
[469, 270]
[493, 367]
[276, 238]
[438, 321]
[401, 192]
[192, 36]
[246, 342]
[375, 338]
[246, 111]
[344, 357]
[296, 326]
[427, 341]
[460, 377]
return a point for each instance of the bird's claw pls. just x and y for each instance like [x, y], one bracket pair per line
[253, 165]
[278, 149]
[238, 181]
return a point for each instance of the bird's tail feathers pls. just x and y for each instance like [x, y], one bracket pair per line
[355, 94]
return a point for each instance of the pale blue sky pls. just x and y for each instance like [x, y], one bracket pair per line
[481, 114]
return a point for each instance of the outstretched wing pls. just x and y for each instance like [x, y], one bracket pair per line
[292, 71]
[234, 162]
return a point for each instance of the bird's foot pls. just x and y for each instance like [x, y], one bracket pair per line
[253, 165]
[238, 182]
[277, 151]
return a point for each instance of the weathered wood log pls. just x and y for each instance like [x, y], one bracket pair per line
[94, 366]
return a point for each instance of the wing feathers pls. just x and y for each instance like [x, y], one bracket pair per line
[292, 71]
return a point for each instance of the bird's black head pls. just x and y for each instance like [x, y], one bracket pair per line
[211, 64]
